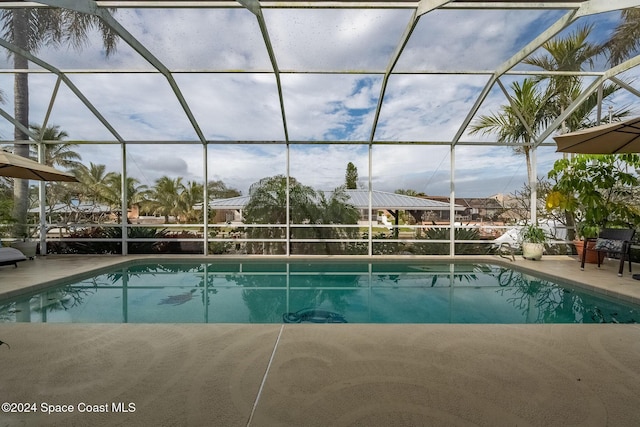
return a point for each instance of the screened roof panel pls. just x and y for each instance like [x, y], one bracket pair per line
[423, 168]
[335, 39]
[493, 104]
[6, 63]
[459, 40]
[174, 161]
[199, 39]
[627, 97]
[331, 107]
[109, 155]
[241, 165]
[488, 170]
[90, 55]
[322, 166]
[234, 106]
[6, 85]
[74, 116]
[42, 87]
[329, 60]
[427, 108]
[6, 130]
[598, 27]
[139, 106]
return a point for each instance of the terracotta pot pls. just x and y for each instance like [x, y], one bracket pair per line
[592, 255]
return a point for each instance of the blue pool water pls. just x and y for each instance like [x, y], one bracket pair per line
[300, 291]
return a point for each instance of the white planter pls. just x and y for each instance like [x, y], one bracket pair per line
[27, 248]
[532, 251]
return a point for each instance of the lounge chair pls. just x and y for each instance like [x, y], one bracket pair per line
[612, 241]
[10, 256]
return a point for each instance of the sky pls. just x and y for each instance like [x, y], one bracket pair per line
[319, 106]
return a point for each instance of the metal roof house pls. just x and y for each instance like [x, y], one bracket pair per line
[359, 199]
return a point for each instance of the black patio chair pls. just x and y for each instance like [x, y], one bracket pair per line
[612, 241]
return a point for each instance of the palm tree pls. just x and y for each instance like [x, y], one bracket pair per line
[92, 182]
[165, 197]
[112, 191]
[537, 105]
[57, 154]
[625, 39]
[268, 205]
[410, 192]
[582, 116]
[533, 106]
[570, 53]
[335, 210]
[191, 196]
[219, 190]
[30, 29]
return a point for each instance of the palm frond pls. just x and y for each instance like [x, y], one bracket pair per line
[625, 39]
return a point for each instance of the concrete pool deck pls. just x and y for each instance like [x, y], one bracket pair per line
[319, 375]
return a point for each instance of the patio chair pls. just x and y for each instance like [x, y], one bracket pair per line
[612, 241]
[10, 256]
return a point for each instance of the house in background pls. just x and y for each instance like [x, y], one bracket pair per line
[474, 208]
[382, 203]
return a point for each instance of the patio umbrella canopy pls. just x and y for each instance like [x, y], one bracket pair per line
[20, 167]
[612, 138]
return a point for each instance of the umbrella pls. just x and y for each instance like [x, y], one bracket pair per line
[612, 138]
[21, 167]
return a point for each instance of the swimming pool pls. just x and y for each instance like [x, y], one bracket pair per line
[260, 291]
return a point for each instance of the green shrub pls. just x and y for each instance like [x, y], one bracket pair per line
[425, 248]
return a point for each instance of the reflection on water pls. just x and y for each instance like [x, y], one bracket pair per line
[322, 292]
[178, 299]
[313, 315]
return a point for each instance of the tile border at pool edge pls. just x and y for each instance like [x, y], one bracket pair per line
[118, 261]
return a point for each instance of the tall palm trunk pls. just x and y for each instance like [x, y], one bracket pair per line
[531, 176]
[21, 111]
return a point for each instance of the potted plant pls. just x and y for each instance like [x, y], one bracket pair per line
[533, 239]
[594, 191]
[27, 246]
[585, 231]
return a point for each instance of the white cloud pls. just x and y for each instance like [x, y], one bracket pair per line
[318, 106]
[234, 107]
[327, 39]
[427, 108]
[475, 39]
[198, 38]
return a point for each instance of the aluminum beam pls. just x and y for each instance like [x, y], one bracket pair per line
[18, 51]
[612, 72]
[90, 7]
[547, 34]
[254, 7]
[425, 6]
